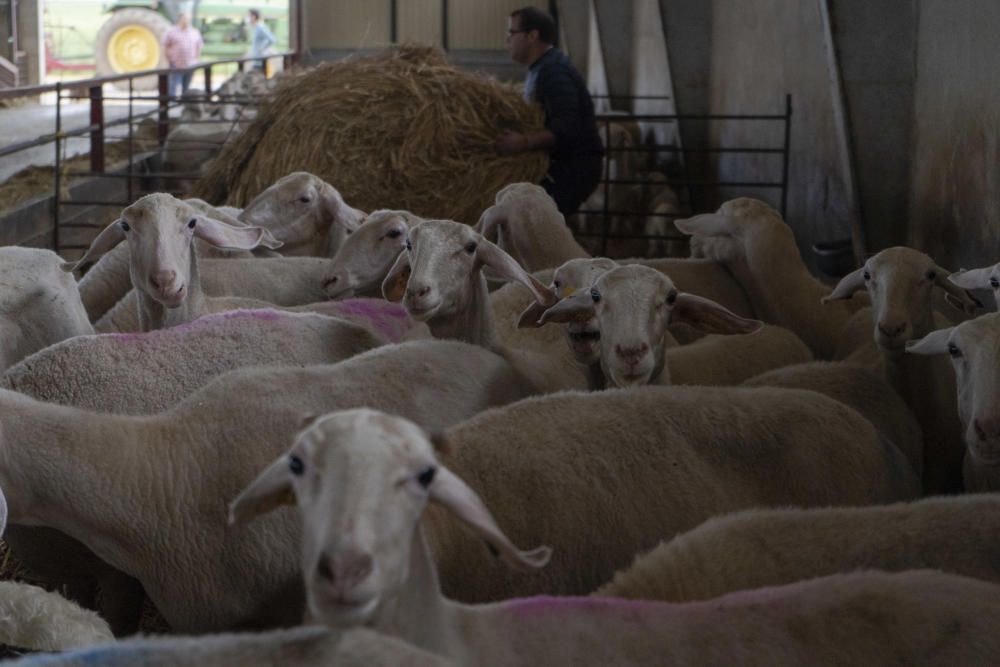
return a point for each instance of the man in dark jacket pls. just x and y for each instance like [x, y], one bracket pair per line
[570, 134]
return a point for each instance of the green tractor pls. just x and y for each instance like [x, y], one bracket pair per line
[131, 40]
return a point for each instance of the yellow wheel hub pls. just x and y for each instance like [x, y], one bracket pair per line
[133, 48]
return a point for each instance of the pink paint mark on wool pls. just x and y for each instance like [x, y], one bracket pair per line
[390, 319]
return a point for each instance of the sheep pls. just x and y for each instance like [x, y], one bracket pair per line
[439, 279]
[754, 243]
[295, 647]
[974, 348]
[39, 304]
[985, 278]
[147, 493]
[35, 619]
[626, 312]
[756, 548]
[365, 257]
[107, 281]
[189, 146]
[526, 224]
[163, 266]
[900, 282]
[150, 372]
[861, 388]
[307, 214]
[647, 462]
[362, 481]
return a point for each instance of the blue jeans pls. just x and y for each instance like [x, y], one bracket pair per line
[177, 80]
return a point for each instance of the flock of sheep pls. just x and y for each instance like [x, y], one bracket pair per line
[497, 449]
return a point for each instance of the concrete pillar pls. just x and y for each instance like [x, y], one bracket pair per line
[614, 25]
[574, 29]
[30, 42]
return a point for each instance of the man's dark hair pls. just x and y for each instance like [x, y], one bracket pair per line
[533, 18]
[254, 13]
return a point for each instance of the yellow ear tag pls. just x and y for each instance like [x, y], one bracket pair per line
[568, 291]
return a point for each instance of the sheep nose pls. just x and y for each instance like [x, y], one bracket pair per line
[346, 571]
[419, 291]
[987, 429]
[160, 279]
[890, 331]
[631, 354]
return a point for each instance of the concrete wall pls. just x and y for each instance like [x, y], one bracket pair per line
[955, 194]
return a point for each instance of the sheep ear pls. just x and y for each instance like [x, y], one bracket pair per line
[271, 489]
[709, 316]
[847, 286]
[221, 235]
[491, 218]
[109, 237]
[338, 210]
[451, 492]
[489, 254]
[529, 318]
[706, 224]
[958, 297]
[3, 513]
[936, 342]
[394, 285]
[973, 279]
[576, 308]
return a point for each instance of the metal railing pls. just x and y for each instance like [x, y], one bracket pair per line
[157, 106]
[623, 224]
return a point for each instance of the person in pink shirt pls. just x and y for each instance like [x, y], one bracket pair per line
[182, 44]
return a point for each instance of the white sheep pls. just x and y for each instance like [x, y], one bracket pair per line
[974, 348]
[362, 481]
[901, 283]
[148, 372]
[770, 547]
[754, 243]
[307, 214]
[365, 257]
[439, 279]
[162, 263]
[39, 304]
[985, 278]
[35, 619]
[147, 493]
[295, 647]
[625, 313]
[526, 223]
[861, 388]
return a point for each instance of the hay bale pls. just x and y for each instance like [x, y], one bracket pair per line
[401, 129]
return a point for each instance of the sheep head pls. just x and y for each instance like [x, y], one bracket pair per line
[985, 278]
[365, 257]
[300, 209]
[361, 480]
[974, 348]
[160, 230]
[900, 281]
[632, 307]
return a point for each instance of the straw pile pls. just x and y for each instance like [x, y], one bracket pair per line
[401, 129]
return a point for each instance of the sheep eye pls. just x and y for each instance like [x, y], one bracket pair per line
[867, 276]
[954, 351]
[192, 222]
[305, 199]
[470, 247]
[408, 245]
[426, 476]
[124, 226]
[296, 465]
[393, 233]
[595, 295]
[931, 274]
[994, 283]
[556, 284]
[672, 297]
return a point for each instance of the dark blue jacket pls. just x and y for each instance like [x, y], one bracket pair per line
[554, 83]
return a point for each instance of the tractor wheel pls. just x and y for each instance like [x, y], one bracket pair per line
[131, 41]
